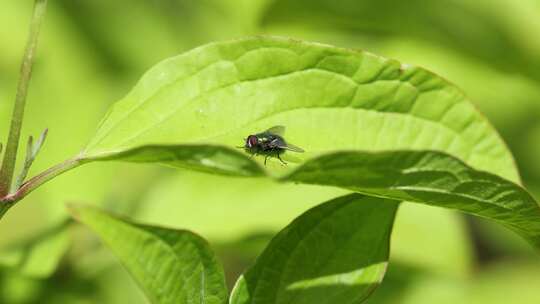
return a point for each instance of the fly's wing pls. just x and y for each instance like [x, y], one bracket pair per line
[290, 147]
[277, 130]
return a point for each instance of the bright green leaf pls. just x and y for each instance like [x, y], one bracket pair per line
[171, 266]
[329, 99]
[427, 177]
[334, 253]
[191, 110]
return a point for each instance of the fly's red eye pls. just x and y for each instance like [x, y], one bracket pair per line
[252, 140]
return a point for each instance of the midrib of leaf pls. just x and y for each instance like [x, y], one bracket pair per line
[200, 264]
[203, 276]
[469, 197]
[166, 245]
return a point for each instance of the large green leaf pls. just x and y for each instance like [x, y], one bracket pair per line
[329, 99]
[334, 253]
[427, 177]
[172, 266]
[343, 107]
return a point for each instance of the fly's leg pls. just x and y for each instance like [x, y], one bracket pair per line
[266, 158]
[281, 160]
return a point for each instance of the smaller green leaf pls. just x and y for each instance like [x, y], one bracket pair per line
[336, 252]
[39, 143]
[171, 266]
[427, 177]
[32, 151]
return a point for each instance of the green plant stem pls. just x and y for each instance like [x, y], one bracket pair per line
[36, 181]
[10, 154]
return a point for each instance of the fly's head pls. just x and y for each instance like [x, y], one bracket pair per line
[252, 143]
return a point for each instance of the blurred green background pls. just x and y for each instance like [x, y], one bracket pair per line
[92, 52]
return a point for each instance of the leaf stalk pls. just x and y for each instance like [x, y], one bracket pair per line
[9, 200]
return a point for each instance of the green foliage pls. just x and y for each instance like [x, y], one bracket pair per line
[262, 207]
[428, 177]
[369, 125]
[12, 145]
[337, 251]
[334, 253]
[172, 118]
[172, 266]
[197, 98]
[32, 150]
[76, 94]
[203, 96]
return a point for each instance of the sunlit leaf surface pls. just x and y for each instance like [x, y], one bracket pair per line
[334, 253]
[361, 119]
[171, 266]
[328, 98]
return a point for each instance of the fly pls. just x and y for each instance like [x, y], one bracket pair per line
[269, 143]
